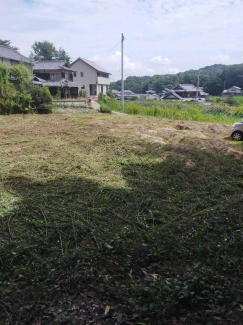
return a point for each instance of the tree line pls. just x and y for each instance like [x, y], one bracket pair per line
[213, 78]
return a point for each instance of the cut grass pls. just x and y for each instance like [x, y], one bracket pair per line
[94, 216]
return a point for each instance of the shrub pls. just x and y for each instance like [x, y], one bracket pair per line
[100, 97]
[232, 101]
[83, 93]
[58, 95]
[41, 97]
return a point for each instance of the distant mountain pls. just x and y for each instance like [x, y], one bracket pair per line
[212, 78]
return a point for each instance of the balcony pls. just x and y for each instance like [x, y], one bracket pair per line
[103, 81]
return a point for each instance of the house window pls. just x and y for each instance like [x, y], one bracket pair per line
[75, 74]
[53, 76]
[81, 74]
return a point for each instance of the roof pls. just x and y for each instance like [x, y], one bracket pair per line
[187, 87]
[9, 53]
[51, 65]
[54, 83]
[174, 94]
[236, 87]
[92, 64]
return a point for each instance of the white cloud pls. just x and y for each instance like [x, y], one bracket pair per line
[159, 60]
[91, 27]
[221, 58]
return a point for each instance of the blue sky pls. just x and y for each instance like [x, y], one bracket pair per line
[162, 36]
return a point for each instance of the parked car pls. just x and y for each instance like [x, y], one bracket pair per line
[237, 131]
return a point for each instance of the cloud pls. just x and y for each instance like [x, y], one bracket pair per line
[159, 60]
[90, 28]
[221, 58]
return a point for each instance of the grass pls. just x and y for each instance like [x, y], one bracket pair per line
[96, 217]
[216, 113]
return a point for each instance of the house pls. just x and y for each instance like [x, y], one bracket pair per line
[185, 92]
[233, 91]
[91, 77]
[56, 75]
[11, 57]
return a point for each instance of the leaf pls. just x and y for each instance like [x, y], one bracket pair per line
[174, 321]
[108, 246]
[119, 318]
[107, 309]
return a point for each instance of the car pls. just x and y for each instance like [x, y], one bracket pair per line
[237, 131]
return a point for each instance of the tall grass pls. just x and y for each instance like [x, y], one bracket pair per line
[220, 113]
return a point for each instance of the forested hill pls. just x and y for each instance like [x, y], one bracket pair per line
[212, 78]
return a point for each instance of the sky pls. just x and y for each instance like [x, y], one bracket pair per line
[161, 36]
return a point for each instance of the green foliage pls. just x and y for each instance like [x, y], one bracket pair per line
[180, 111]
[100, 97]
[212, 78]
[19, 96]
[47, 51]
[58, 95]
[41, 96]
[107, 105]
[233, 101]
[83, 93]
[8, 44]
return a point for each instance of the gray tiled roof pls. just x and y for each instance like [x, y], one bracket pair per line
[187, 87]
[9, 53]
[60, 83]
[93, 65]
[51, 65]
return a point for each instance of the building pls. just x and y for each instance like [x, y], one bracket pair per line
[185, 92]
[233, 91]
[91, 77]
[11, 57]
[57, 76]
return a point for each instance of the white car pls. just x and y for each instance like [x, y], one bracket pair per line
[237, 131]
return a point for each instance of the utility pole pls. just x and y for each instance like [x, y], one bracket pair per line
[224, 85]
[197, 86]
[122, 77]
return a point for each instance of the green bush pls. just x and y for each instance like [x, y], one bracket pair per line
[83, 93]
[233, 101]
[41, 97]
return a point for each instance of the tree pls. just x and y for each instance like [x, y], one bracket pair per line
[8, 44]
[47, 51]
[44, 51]
[63, 55]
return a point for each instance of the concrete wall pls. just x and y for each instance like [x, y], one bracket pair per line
[90, 75]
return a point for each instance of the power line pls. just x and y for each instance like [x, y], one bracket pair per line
[108, 52]
[178, 36]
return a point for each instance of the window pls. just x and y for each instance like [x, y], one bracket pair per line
[83, 87]
[81, 74]
[53, 76]
[75, 74]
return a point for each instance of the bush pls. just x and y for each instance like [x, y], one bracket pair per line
[232, 101]
[83, 93]
[41, 97]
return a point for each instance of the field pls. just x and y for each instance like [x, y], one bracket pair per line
[189, 111]
[111, 219]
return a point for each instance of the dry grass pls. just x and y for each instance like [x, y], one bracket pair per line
[139, 214]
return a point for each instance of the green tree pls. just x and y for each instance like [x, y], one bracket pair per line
[63, 55]
[44, 51]
[8, 44]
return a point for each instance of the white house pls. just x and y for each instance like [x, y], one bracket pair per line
[11, 57]
[91, 77]
[233, 91]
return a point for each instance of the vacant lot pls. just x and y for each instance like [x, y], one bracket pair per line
[119, 220]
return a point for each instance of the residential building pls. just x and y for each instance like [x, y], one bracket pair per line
[186, 92]
[56, 75]
[233, 91]
[91, 77]
[11, 57]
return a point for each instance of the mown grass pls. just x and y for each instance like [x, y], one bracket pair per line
[92, 216]
[220, 113]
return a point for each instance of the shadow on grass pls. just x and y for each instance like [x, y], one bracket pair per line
[169, 242]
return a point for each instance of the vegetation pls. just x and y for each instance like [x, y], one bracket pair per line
[8, 44]
[47, 51]
[212, 78]
[17, 95]
[102, 224]
[222, 113]
[83, 93]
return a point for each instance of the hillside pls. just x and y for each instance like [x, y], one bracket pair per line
[212, 79]
[111, 219]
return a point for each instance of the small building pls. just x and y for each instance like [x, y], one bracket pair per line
[185, 92]
[91, 76]
[57, 76]
[10, 57]
[233, 91]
